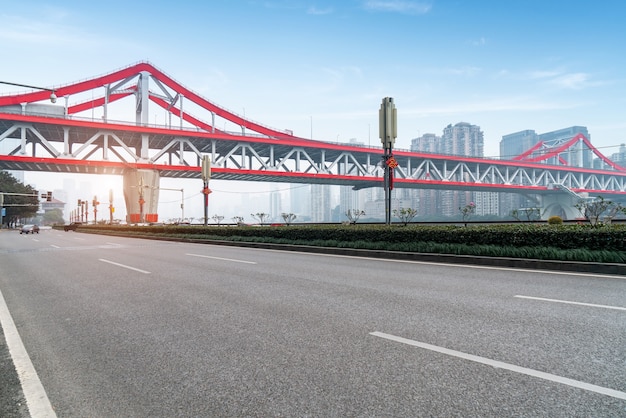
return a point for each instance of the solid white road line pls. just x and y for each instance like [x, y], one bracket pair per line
[36, 398]
[572, 303]
[223, 259]
[124, 266]
[501, 365]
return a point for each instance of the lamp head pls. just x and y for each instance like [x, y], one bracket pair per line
[53, 97]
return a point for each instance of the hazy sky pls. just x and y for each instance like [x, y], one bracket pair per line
[324, 66]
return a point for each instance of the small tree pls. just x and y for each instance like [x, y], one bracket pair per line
[354, 215]
[218, 219]
[288, 217]
[467, 211]
[531, 214]
[238, 220]
[405, 214]
[261, 217]
[592, 210]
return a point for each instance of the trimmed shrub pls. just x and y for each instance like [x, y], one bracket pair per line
[555, 220]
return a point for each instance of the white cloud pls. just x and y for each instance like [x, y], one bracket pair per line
[315, 11]
[535, 75]
[398, 6]
[464, 71]
[478, 42]
[574, 81]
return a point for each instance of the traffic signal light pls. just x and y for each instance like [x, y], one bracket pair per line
[49, 197]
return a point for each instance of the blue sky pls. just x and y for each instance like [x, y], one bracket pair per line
[324, 66]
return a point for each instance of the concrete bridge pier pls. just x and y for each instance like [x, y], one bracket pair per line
[560, 204]
[141, 195]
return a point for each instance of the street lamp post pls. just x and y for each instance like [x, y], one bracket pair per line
[53, 96]
[95, 209]
[182, 202]
[387, 120]
[111, 208]
[206, 176]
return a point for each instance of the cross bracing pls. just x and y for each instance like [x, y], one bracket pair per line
[76, 145]
[59, 138]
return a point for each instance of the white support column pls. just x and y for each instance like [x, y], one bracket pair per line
[23, 140]
[141, 110]
[105, 147]
[66, 140]
[145, 147]
[181, 111]
[107, 91]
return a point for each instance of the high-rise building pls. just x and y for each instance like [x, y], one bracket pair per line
[463, 139]
[300, 199]
[511, 146]
[576, 156]
[276, 208]
[466, 140]
[320, 203]
[620, 157]
[517, 143]
[426, 201]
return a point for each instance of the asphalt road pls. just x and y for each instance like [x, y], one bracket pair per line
[135, 328]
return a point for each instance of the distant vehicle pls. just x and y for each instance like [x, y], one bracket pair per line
[72, 226]
[29, 229]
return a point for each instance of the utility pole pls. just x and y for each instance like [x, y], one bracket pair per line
[206, 176]
[95, 204]
[111, 208]
[387, 124]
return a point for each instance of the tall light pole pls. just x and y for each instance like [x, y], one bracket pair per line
[111, 208]
[387, 120]
[53, 96]
[206, 176]
[182, 201]
[95, 204]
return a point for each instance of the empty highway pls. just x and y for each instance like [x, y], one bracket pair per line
[131, 327]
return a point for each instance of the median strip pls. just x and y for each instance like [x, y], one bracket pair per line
[506, 366]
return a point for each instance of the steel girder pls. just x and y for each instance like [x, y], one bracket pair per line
[56, 144]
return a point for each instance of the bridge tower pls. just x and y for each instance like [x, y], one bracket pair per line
[141, 195]
[141, 187]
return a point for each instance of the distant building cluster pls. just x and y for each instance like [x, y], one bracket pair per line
[462, 139]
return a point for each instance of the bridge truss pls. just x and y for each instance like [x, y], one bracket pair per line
[59, 138]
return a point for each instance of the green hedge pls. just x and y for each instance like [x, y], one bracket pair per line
[565, 237]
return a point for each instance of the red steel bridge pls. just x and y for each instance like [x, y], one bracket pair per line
[62, 137]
